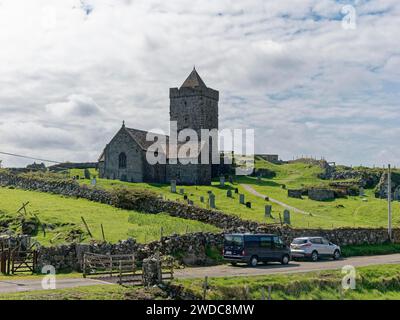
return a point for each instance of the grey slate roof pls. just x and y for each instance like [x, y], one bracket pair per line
[193, 81]
[140, 137]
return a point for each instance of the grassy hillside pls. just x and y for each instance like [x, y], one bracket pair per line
[352, 211]
[64, 215]
[345, 212]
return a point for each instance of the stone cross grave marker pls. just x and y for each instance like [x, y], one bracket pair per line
[268, 210]
[222, 181]
[173, 186]
[241, 198]
[211, 200]
[286, 216]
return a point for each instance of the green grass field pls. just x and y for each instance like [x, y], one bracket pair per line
[352, 211]
[65, 214]
[376, 282]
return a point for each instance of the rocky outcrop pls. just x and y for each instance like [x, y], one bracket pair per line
[295, 193]
[381, 190]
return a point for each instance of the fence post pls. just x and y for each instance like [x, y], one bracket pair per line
[102, 232]
[269, 293]
[262, 293]
[120, 272]
[246, 292]
[111, 266]
[84, 265]
[205, 285]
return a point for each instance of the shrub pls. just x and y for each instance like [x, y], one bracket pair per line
[132, 199]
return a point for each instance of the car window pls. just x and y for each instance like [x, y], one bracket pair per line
[299, 241]
[278, 243]
[265, 242]
[324, 241]
[233, 240]
[316, 241]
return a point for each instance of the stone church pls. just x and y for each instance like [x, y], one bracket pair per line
[193, 106]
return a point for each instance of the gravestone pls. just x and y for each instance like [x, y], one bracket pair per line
[185, 197]
[241, 198]
[229, 193]
[93, 182]
[248, 204]
[362, 194]
[222, 181]
[201, 199]
[286, 216]
[211, 200]
[236, 190]
[181, 191]
[268, 211]
[173, 186]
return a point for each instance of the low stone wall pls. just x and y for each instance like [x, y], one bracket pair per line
[190, 249]
[321, 194]
[295, 193]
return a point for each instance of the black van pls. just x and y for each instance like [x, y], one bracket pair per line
[254, 248]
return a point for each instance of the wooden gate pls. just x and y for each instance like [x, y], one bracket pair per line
[17, 256]
[121, 268]
[111, 266]
[23, 261]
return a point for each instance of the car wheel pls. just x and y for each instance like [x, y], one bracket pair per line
[314, 256]
[234, 263]
[253, 261]
[336, 255]
[285, 259]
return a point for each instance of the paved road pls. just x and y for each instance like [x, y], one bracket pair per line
[256, 193]
[15, 285]
[293, 267]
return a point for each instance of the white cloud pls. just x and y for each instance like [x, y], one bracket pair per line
[72, 70]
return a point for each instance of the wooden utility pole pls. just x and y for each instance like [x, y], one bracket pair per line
[389, 195]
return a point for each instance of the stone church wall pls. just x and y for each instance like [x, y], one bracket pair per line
[134, 171]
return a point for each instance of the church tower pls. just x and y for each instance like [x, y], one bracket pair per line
[194, 105]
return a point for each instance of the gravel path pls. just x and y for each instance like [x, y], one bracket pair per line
[256, 193]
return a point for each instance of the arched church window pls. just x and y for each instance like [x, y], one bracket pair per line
[122, 160]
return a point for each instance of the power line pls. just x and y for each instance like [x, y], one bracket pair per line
[27, 157]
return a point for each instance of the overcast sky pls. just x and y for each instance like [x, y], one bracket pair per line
[72, 70]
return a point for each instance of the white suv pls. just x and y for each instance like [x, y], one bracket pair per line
[314, 247]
